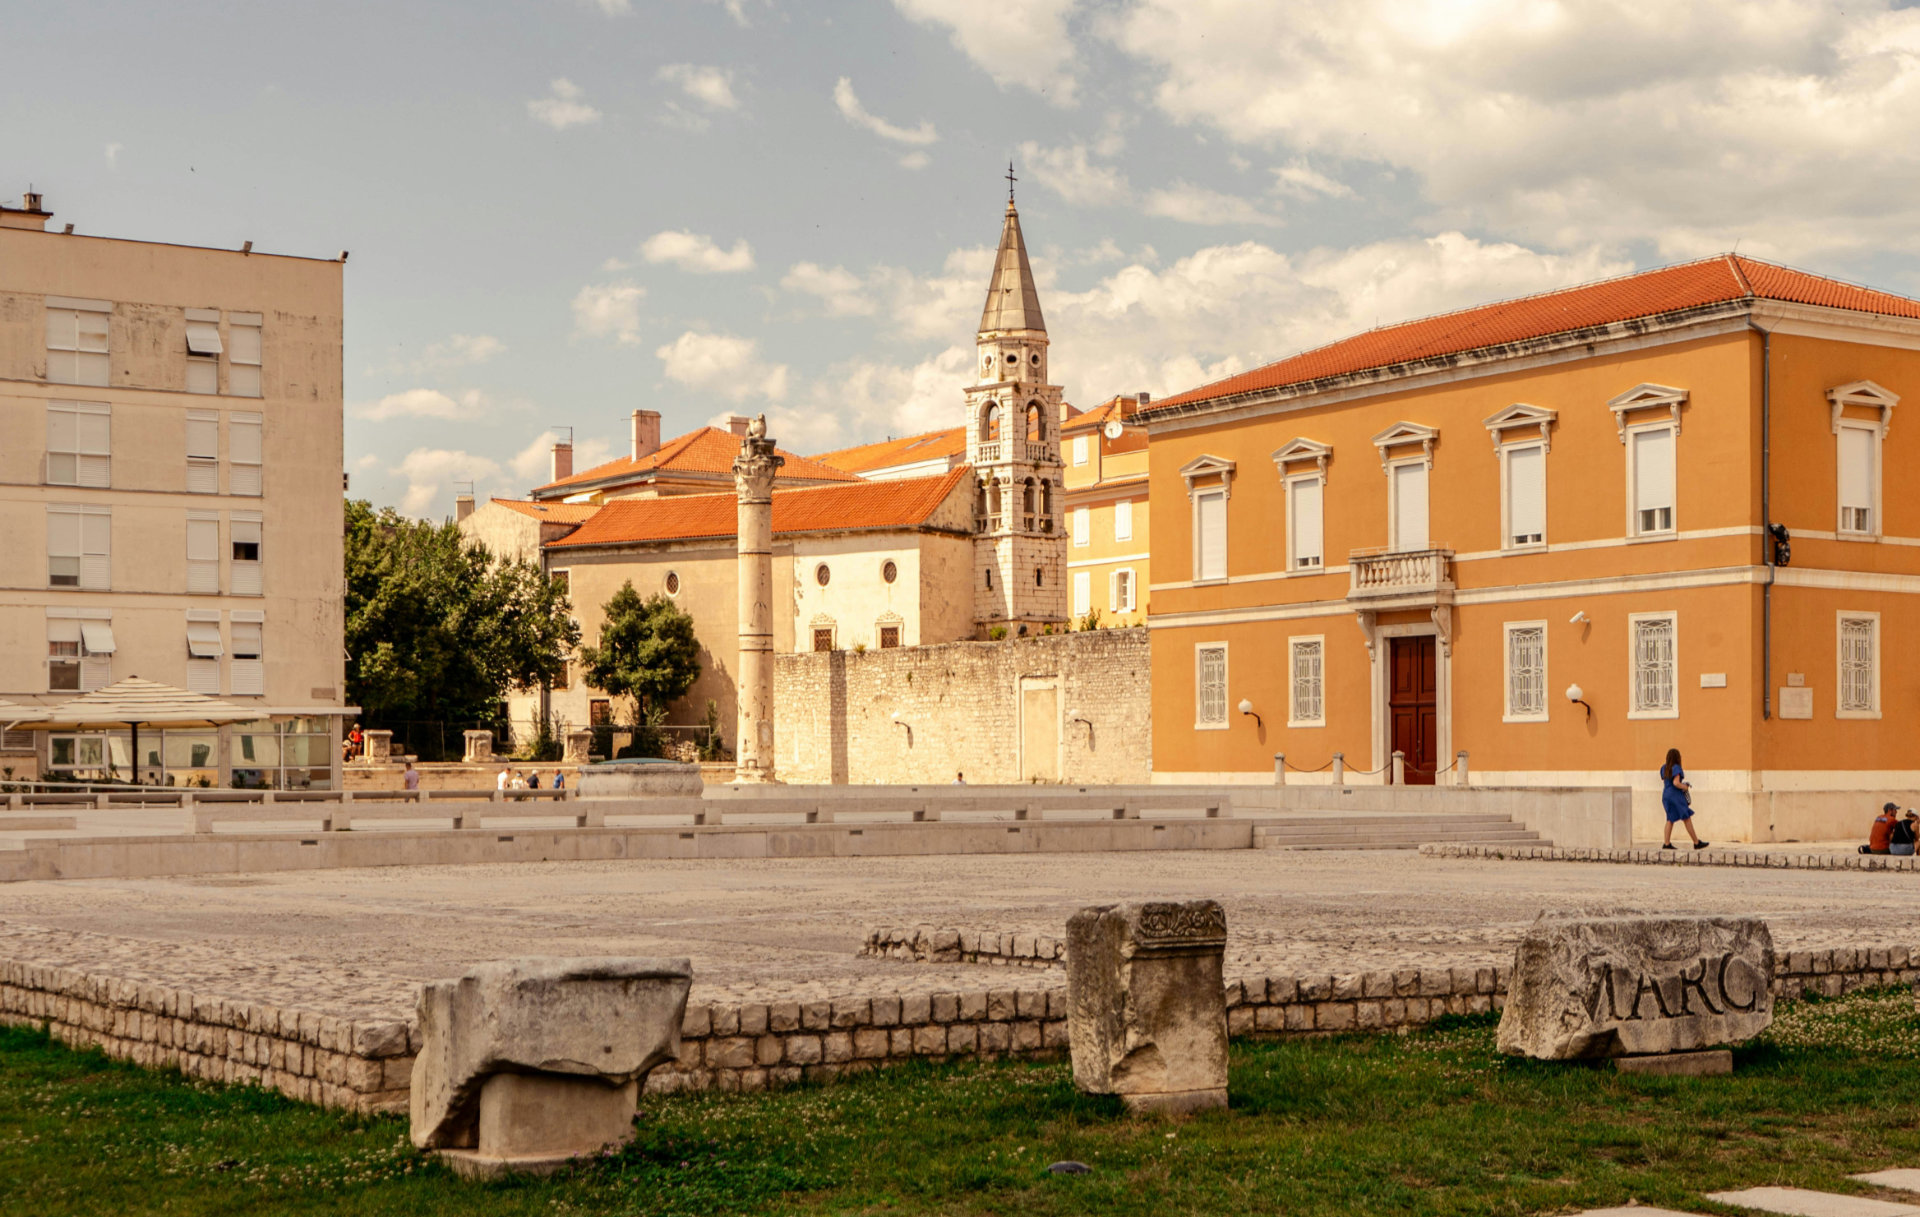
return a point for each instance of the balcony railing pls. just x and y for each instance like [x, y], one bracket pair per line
[1031, 451]
[989, 452]
[1380, 573]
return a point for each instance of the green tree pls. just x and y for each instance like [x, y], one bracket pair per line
[647, 651]
[438, 630]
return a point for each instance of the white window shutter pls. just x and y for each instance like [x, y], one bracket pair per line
[1856, 479]
[243, 439]
[1304, 523]
[1123, 520]
[1653, 477]
[1410, 506]
[203, 556]
[1082, 592]
[1211, 561]
[96, 541]
[1526, 496]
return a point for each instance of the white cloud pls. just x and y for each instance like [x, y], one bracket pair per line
[113, 155]
[1023, 44]
[839, 289]
[915, 160]
[421, 403]
[430, 474]
[459, 350]
[564, 109]
[736, 9]
[1070, 173]
[368, 461]
[855, 113]
[610, 310]
[711, 87]
[533, 463]
[696, 252]
[1299, 180]
[1191, 204]
[614, 8]
[723, 364]
[1787, 123]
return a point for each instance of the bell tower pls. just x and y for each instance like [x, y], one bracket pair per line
[1013, 444]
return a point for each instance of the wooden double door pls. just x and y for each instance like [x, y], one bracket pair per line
[1413, 713]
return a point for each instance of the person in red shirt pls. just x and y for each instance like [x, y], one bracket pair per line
[1881, 835]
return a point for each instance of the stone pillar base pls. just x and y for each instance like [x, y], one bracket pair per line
[535, 1123]
[1176, 1102]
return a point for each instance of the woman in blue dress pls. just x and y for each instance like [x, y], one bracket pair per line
[1676, 798]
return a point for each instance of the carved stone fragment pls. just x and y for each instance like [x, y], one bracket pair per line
[524, 1064]
[1146, 1006]
[1630, 985]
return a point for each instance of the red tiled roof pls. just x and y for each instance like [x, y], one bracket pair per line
[1649, 293]
[907, 449]
[903, 503]
[708, 450]
[1111, 408]
[555, 513]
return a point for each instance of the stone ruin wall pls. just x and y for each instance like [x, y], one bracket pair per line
[834, 710]
[367, 1065]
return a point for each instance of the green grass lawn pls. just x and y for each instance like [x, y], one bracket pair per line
[1429, 1123]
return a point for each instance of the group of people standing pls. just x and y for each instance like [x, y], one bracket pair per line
[528, 779]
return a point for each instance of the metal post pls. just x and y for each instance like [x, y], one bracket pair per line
[1339, 769]
[1399, 767]
[1279, 769]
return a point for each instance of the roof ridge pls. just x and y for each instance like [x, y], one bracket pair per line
[1739, 274]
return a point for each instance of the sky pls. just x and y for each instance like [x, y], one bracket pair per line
[560, 211]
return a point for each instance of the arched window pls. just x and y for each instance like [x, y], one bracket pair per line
[1036, 422]
[990, 424]
[1046, 505]
[980, 503]
[1028, 498]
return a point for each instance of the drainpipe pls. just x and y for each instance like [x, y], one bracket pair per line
[1766, 519]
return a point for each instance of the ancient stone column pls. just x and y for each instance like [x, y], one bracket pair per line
[753, 474]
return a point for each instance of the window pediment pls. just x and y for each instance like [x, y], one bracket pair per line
[1864, 393]
[1520, 414]
[1302, 449]
[1207, 466]
[1647, 397]
[1406, 433]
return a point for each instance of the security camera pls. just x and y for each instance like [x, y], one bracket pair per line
[1579, 618]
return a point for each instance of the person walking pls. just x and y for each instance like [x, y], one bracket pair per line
[410, 778]
[1676, 799]
[559, 779]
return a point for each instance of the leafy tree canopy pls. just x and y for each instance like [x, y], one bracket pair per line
[438, 630]
[647, 651]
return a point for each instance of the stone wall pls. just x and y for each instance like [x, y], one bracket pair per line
[923, 714]
[924, 944]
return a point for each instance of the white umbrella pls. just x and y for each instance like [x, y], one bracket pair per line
[13, 714]
[133, 702]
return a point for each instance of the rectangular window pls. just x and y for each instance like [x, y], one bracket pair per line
[79, 548]
[1526, 485]
[203, 452]
[63, 656]
[889, 637]
[243, 354]
[79, 444]
[1123, 520]
[248, 671]
[1409, 487]
[1306, 704]
[1859, 665]
[1653, 481]
[77, 341]
[203, 553]
[1120, 590]
[1654, 681]
[1526, 671]
[1082, 592]
[243, 453]
[203, 350]
[599, 712]
[563, 680]
[1305, 546]
[563, 582]
[244, 574]
[1079, 449]
[1857, 480]
[1210, 535]
[823, 639]
[1082, 526]
[203, 656]
[1210, 685]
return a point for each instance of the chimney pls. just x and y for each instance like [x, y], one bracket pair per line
[1145, 399]
[462, 507]
[562, 460]
[30, 214]
[737, 423]
[646, 433]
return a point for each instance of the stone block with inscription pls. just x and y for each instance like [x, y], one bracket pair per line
[1146, 1003]
[524, 1064]
[1632, 985]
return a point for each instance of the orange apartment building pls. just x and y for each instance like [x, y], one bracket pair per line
[1105, 495]
[1538, 532]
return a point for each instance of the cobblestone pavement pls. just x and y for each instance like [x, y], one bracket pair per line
[354, 942]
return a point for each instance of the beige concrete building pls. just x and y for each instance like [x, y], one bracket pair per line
[171, 480]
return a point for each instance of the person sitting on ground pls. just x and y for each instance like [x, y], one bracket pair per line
[1880, 836]
[1900, 839]
[410, 778]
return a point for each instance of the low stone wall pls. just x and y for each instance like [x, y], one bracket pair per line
[1655, 856]
[446, 775]
[749, 1046]
[317, 1058]
[925, 944]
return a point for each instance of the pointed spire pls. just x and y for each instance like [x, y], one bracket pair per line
[1013, 303]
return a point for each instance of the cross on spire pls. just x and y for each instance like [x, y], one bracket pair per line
[1010, 181]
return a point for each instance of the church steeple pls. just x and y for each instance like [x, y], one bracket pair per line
[1013, 302]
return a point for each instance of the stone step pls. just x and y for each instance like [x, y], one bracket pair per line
[1424, 824]
[1398, 841]
[1801, 1202]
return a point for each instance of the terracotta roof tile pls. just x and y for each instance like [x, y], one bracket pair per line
[903, 503]
[1111, 408]
[556, 513]
[909, 448]
[1645, 294]
[708, 450]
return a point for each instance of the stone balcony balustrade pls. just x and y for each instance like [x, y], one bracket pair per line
[1419, 578]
